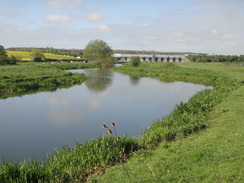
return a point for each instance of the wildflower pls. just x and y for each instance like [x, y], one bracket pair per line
[117, 137]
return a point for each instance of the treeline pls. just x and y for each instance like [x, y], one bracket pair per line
[79, 52]
[62, 51]
[150, 52]
[216, 58]
[4, 59]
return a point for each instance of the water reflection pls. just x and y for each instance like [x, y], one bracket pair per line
[134, 80]
[99, 79]
[33, 125]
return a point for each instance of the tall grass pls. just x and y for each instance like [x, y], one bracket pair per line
[69, 164]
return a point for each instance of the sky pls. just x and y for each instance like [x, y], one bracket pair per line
[202, 26]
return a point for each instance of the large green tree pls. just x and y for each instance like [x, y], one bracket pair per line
[37, 55]
[98, 50]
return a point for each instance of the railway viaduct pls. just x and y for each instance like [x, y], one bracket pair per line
[150, 58]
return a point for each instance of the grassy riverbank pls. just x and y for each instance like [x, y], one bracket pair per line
[201, 141]
[182, 152]
[24, 77]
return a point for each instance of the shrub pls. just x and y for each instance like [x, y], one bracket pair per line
[135, 61]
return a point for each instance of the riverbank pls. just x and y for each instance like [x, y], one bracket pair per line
[179, 148]
[33, 76]
[214, 154]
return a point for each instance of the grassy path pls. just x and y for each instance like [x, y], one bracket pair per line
[215, 154]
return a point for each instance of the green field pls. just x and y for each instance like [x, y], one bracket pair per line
[25, 56]
[200, 141]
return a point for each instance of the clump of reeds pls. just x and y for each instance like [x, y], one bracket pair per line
[121, 155]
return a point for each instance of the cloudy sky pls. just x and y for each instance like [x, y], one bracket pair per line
[206, 26]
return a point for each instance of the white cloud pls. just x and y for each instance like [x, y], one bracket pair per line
[104, 28]
[57, 18]
[64, 3]
[215, 31]
[95, 16]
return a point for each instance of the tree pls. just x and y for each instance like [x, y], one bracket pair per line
[37, 55]
[241, 58]
[135, 61]
[98, 50]
[3, 52]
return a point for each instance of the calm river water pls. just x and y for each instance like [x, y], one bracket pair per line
[36, 124]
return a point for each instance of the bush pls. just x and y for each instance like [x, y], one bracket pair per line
[5, 60]
[135, 61]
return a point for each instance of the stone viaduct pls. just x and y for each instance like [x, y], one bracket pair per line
[150, 58]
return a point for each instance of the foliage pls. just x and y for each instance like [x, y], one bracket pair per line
[135, 61]
[37, 55]
[98, 50]
[4, 60]
[215, 58]
[2, 51]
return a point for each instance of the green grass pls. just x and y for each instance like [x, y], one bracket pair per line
[24, 77]
[214, 154]
[69, 164]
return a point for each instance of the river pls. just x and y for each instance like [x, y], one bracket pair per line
[36, 124]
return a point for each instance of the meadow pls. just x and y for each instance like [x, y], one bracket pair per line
[200, 141]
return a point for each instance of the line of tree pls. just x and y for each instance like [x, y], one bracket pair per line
[216, 58]
[79, 52]
[4, 59]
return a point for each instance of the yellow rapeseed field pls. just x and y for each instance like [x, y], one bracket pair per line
[25, 56]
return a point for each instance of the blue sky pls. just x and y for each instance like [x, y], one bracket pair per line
[206, 26]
